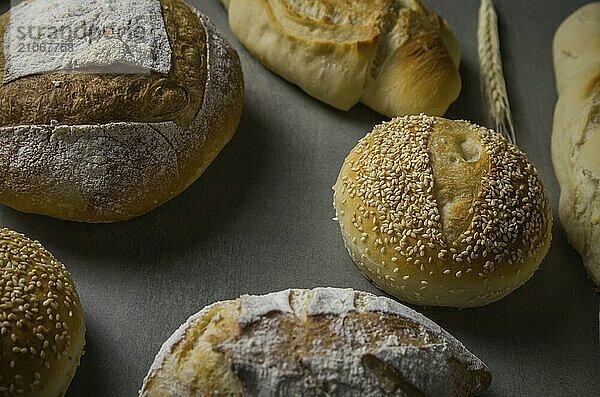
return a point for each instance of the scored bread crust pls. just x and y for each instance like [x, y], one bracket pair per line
[442, 213]
[326, 341]
[114, 171]
[42, 326]
[576, 132]
[97, 98]
[396, 56]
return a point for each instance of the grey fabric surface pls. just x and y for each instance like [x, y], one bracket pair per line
[259, 220]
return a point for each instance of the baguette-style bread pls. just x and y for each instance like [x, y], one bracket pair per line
[42, 330]
[321, 342]
[442, 213]
[576, 131]
[396, 56]
[81, 139]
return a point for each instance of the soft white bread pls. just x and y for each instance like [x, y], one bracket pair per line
[326, 341]
[576, 132]
[98, 147]
[441, 212]
[396, 56]
[576, 44]
[41, 323]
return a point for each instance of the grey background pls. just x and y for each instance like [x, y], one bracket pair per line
[259, 220]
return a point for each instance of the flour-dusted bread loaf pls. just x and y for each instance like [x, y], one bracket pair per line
[576, 131]
[42, 330]
[320, 342]
[442, 212]
[396, 56]
[126, 106]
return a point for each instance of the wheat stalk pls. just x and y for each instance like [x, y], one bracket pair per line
[492, 76]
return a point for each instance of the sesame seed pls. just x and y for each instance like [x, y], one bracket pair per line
[36, 293]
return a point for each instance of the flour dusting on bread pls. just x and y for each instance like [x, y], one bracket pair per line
[325, 341]
[102, 172]
[100, 36]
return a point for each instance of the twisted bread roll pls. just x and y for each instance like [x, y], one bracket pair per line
[396, 56]
[441, 212]
[325, 341]
[100, 145]
[576, 131]
[41, 322]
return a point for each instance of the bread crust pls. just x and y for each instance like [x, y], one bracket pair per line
[84, 98]
[344, 52]
[576, 132]
[116, 171]
[326, 341]
[42, 324]
[442, 213]
[576, 44]
[575, 148]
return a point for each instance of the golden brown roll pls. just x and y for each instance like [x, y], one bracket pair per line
[320, 342]
[41, 323]
[441, 212]
[395, 56]
[111, 125]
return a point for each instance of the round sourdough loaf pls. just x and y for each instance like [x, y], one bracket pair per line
[395, 56]
[104, 146]
[41, 323]
[320, 342]
[441, 212]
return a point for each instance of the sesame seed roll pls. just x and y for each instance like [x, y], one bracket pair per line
[41, 323]
[440, 212]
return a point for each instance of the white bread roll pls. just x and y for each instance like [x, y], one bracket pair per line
[576, 131]
[576, 44]
[442, 213]
[396, 56]
[326, 341]
[41, 323]
[81, 140]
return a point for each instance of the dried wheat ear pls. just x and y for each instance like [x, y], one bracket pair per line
[492, 75]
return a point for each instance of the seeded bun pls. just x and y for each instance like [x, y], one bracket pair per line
[105, 147]
[442, 213]
[41, 322]
[319, 342]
